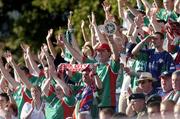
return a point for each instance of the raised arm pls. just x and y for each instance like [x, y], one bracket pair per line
[147, 5]
[71, 31]
[100, 36]
[7, 76]
[114, 48]
[32, 62]
[107, 7]
[46, 85]
[20, 73]
[50, 45]
[137, 48]
[76, 55]
[156, 26]
[120, 8]
[86, 39]
[132, 10]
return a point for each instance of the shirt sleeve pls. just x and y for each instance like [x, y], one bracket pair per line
[26, 108]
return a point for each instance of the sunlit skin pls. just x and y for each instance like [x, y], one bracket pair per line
[103, 55]
[177, 6]
[157, 41]
[4, 85]
[167, 111]
[166, 83]
[153, 112]
[3, 102]
[168, 4]
[59, 92]
[104, 116]
[146, 86]
[86, 78]
[175, 83]
[138, 105]
[36, 93]
[177, 111]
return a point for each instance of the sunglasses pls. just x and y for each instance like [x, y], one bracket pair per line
[143, 82]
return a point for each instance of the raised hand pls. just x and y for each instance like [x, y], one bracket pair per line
[40, 55]
[69, 20]
[8, 57]
[59, 40]
[82, 24]
[50, 32]
[106, 6]
[93, 18]
[45, 49]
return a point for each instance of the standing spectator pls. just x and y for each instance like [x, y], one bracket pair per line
[92, 83]
[159, 60]
[35, 109]
[167, 11]
[107, 71]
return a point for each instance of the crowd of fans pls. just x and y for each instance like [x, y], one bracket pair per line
[138, 59]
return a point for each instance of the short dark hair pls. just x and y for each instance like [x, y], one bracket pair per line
[5, 96]
[160, 34]
[119, 115]
[153, 104]
[107, 111]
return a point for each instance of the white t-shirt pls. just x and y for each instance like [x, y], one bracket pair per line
[36, 114]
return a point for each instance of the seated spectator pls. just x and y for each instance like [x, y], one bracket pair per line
[153, 110]
[106, 113]
[145, 84]
[167, 108]
[137, 106]
[153, 106]
[166, 85]
[153, 98]
[177, 111]
[175, 94]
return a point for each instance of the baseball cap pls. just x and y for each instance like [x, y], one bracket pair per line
[136, 96]
[166, 73]
[153, 98]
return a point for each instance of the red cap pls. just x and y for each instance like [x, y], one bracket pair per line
[103, 46]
